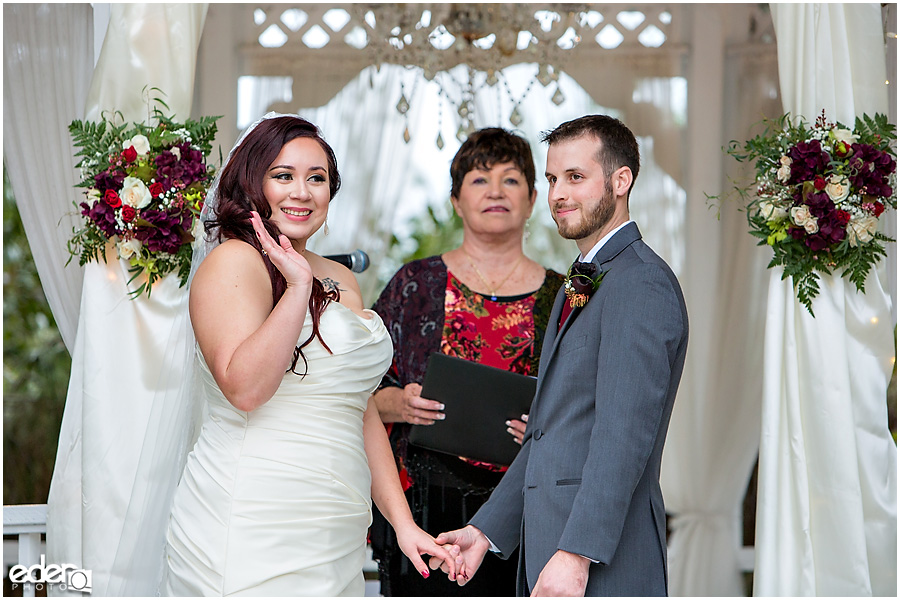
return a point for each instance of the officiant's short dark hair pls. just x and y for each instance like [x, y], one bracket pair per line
[488, 147]
[618, 146]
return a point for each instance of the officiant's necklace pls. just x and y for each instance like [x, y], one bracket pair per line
[492, 289]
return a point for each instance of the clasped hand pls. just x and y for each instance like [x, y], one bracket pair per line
[565, 574]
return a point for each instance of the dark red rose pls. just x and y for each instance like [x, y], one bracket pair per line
[156, 189]
[582, 277]
[129, 154]
[879, 208]
[842, 216]
[112, 198]
[128, 213]
[820, 183]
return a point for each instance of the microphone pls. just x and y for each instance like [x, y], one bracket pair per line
[357, 261]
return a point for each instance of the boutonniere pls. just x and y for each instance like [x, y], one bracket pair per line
[582, 280]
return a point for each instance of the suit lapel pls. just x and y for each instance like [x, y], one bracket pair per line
[612, 248]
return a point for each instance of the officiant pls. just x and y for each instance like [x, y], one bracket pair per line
[486, 302]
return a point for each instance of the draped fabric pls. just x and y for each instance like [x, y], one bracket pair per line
[126, 425]
[826, 519]
[366, 132]
[714, 431]
[47, 61]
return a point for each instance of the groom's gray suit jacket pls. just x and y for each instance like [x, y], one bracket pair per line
[587, 477]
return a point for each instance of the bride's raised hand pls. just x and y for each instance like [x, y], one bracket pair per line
[292, 264]
[414, 543]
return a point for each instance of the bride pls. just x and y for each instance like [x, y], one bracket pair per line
[276, 495]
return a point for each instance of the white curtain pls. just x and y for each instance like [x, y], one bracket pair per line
[714, 433]
[126, 423]
[47, 62]
[366, 132]
[826, 520]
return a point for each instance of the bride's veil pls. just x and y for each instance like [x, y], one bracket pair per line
[139, 566]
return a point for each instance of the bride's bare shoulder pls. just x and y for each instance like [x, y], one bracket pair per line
[230, 261]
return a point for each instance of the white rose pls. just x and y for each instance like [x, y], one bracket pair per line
[134, 193]
[141, 144]
[837, 188]
[771, 211]
[93, 194]
[786, 161]
[845, 135]
[800, 215]
[862, 229]
[129, 248]
[811, 226]
[176, 151]
[784, 173]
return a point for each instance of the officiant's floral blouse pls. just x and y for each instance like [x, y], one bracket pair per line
[426, 309]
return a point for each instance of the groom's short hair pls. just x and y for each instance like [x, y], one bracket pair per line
[618, 147]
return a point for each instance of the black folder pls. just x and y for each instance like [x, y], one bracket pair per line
[478, 400]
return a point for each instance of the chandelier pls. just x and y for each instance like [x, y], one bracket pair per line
[485, 38]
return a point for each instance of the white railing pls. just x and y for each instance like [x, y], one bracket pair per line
[28, 522]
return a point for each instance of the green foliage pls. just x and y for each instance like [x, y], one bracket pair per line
[433, 235]
[35, 369]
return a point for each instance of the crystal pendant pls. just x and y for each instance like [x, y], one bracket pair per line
[439, 142]
[464, 109]
[491, 79]
[428, 73]
[544, 76]
[461, 134]
[515, 118]
[402, 105]
[406, 136]
[558, 97]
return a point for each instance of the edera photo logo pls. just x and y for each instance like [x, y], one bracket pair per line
[60, 578]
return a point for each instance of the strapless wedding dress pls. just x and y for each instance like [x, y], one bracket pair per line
[277, 501]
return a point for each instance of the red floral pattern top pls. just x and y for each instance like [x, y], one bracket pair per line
[497, 333]
[494, 333]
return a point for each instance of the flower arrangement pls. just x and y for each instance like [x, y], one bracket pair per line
[581, 281]
[145, 187]
[819, 193]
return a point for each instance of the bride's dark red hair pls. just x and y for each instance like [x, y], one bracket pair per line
[241, 191]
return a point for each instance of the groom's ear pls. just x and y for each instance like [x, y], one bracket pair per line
[621, 180]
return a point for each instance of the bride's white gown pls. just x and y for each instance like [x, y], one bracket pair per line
[277, 501]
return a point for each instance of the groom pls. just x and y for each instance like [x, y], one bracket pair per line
[582, 498]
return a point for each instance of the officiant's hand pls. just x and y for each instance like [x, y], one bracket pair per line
[516, 428]
[406, 405]
[284, 256]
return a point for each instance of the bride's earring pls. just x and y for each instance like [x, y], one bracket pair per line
[326, 228]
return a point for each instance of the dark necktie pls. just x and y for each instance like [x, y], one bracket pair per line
[566, 311]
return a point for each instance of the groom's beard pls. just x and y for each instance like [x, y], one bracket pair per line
[592, 221]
